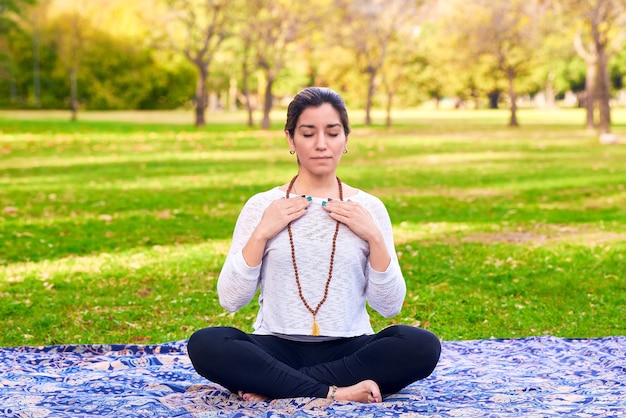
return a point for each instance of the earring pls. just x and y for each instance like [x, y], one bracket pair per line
[345, 150]
[291, 152]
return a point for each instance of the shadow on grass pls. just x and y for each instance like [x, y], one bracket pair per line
[143, 219]
[112, 220]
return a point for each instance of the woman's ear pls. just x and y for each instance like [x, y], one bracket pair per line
[292, 145]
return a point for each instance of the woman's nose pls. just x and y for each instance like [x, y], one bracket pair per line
[321, 141]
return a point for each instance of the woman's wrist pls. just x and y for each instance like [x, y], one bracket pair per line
[253, 250]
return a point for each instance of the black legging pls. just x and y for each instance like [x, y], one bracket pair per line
[278, 368]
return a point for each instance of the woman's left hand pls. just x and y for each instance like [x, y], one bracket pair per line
[354, 216]
[360, 221]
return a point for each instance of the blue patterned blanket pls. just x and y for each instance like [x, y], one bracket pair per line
[542, 376]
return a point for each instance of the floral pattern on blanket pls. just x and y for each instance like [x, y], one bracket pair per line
[539, 376]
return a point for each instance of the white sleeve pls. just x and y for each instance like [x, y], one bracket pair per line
[385, 290]
[238, 282]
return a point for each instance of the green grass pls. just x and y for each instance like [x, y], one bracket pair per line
[114, 228]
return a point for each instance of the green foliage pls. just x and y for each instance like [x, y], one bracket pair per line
[113, 73]
[570, 75]
[9, 9]
[118, 75]
[433, 53]
[116, 231]
[618, 69]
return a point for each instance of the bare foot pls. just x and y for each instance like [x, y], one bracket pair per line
[365, 391]
[253, 397]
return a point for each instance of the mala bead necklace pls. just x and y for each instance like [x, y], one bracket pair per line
[315, 330]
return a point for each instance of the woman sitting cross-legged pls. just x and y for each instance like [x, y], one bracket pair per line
[319, 250]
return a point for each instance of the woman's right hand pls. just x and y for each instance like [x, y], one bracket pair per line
[275, 218]
[279, 214]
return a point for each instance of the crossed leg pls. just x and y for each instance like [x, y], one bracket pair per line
[265, 367]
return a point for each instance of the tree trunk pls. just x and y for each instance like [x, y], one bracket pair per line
[370, 97]
[36, 67]
[232, 95]
[389, 101]
[73, 94]
[246, 91]
[589, 55]
[590, 93]
[513, 96]
[603, 91]
[550, 96]
[201, 94]
[267, 103]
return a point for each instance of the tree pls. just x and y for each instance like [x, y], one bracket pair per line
[598, 24]
[72, 33]
[10, 11]
[76, 24]
[367, 29]
[402, 67]
[503, 35]
[278, 26]
[556, 61]
[404, 62]
[246, 33]
[197, 28]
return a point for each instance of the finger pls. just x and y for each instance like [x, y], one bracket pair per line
[340, 211]
[300, 205]
[333, 205]
[344, 204]
[297, 214]
[298, 210]
[340, 218]
[293, 205]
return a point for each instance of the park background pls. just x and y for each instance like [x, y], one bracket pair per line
[132, 134]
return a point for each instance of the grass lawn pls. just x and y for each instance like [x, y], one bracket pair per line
[113, 229]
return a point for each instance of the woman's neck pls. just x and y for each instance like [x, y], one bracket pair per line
[323, 187]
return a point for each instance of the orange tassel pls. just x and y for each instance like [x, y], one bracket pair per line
[316, 329]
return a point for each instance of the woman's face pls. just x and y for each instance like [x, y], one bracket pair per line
[319, 139]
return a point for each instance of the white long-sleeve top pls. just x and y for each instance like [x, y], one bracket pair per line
[354, 281]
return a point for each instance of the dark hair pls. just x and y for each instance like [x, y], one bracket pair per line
[315, 97]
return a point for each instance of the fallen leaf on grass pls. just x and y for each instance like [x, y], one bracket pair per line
[10, 210]
[144, 292]
[166, 214]
[141, 339]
